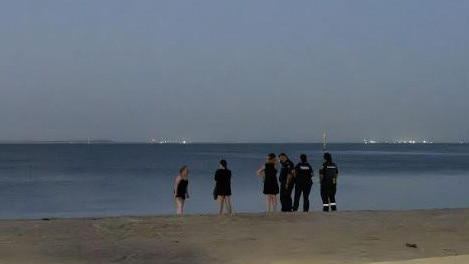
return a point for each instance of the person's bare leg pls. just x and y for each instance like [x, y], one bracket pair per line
[220, 204]
[274, 203]
[228, 205]
[179, 206]
[267, 202]
[182, 206]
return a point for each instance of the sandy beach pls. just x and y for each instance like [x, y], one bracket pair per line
[411, 237]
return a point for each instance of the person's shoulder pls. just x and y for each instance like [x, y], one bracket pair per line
[178, 178]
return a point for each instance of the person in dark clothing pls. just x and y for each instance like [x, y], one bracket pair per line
[223, 187]
[286, 182]
[181, 189]
[271, 189]
[328, 173]
[303, 183]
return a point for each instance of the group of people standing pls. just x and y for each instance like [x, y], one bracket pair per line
[291, 177]
[221, 192]
[300, 179]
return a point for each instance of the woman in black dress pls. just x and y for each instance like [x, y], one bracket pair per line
[181, 189]
[223, 187]
[271, 188]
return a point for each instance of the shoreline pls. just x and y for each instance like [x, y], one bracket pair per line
[340, 237]
[46, 218]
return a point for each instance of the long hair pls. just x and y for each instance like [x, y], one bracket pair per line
[272, 157]
[224, 164]
[182, 169]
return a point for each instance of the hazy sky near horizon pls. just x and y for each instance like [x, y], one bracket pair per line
[234, 70]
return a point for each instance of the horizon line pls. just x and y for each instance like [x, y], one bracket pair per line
[106, 141]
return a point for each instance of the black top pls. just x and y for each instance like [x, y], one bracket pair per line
[304, 173]
[181, 189]
[329, 172]
[287, 168]
[270, 179]
[223, 180]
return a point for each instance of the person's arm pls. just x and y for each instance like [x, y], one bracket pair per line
[291, 173]
[296, 170]
[321, 174]
[176, 183]
[260, 171]
[336, 174]
[289, 179]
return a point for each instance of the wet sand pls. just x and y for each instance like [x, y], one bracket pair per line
[410, 237]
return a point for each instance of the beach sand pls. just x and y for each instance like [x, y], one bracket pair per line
[439, 236]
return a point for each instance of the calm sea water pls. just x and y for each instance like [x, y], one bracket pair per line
[66, 180]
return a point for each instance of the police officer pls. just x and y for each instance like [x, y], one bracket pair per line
[328, 175]
[286, 182]
[303, 183]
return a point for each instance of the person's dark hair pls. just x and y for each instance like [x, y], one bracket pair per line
[303, 158]
[283, 154]
[272, 156]
[183, 168]
[328, 157]
[224, 164]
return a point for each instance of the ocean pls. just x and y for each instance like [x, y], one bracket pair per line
[97, 180]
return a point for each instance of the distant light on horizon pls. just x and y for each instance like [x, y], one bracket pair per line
[399, 141]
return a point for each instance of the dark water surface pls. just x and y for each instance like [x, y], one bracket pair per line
[76, 180]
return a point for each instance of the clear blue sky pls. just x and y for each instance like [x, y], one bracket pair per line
[234, 70]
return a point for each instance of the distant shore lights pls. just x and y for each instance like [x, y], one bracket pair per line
[400, 141]
[169, 141]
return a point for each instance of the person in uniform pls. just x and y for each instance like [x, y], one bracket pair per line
[328, 174]
[286, 182]
[303, 183]
[269, 172]
[223, 187]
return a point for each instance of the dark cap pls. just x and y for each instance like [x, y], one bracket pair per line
[282, 154]
[303, 158]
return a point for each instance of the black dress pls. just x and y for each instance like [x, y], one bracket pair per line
[181, 189]
[270, 180]
[223, 180]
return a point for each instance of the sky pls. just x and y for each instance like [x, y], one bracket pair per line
[234, 71]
